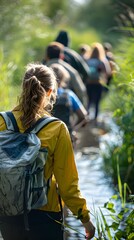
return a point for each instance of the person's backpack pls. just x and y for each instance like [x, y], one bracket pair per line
[22, 160]
[62, 108]
[95, 66]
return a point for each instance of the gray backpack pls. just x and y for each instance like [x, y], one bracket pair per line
[22, 160]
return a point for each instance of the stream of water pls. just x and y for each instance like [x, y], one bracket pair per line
[94, 185]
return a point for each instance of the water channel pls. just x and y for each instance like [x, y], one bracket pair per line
[94, 185]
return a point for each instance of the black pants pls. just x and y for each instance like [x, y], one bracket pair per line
[94, 92]
[42, 226]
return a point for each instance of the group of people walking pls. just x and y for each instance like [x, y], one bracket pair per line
[90, 71]
[64, 83]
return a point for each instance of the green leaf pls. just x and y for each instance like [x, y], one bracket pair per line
[111, 210]
[114, 218]
[119, 234]
[106, 226]
[131, 236]
[109, 206]
[120, 215]
[114, 225]
[105, 205]
[114, 197]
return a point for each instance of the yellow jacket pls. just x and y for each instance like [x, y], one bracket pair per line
[61, 165]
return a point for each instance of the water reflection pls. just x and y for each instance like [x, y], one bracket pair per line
[95, 187]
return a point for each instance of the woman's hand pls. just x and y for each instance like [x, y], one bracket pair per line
[89, 229]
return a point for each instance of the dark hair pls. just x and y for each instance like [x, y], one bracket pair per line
[38, 80]
[63, 38]
[53, 51]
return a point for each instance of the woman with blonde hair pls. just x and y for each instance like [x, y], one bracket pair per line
[99, 70]
[39, 90]
[102, 57]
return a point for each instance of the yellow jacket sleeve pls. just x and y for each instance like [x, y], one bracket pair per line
[65, 172]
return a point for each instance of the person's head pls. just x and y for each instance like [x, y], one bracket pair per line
[84, 50]
[63, 38]
[39, 90]
[54, 50]
[109, 54]
[107, 46]
[97, 51]
[62, 75]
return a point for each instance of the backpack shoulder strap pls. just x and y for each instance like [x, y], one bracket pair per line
[10, 121]
[42, 122]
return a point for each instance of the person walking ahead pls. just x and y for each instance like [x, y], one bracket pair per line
[54, 54]
[39, 91]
